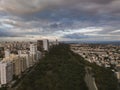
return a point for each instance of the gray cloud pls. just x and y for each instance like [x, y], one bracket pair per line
[75, 36]
[26, 6]
[7, 34]
[90, 6]
[60, 18]
[3, 34]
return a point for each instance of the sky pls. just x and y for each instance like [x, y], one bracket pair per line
[65, 20]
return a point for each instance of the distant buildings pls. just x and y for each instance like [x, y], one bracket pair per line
[16, 64]
[54, 43]
[7, 53]
[46, 45]
[1, 47]
[43, 45]
[107, 56]
[1, 51]
[40, 45]
[19, 57]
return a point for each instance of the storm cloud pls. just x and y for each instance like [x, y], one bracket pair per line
[32, 6]
[70, 19]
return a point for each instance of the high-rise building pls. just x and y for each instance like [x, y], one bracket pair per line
[40, 45]
[23, 64]
[7, 53]
[33, 51]
[1, 51]
[16, 61]
[16, 65]
[43, 45]
[1, 47]
[6, 72]
[46, 45]
[26, 56]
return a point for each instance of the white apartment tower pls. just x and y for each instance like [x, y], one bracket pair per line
[33, 51]
[7, 53]
[6, 72]
[24, 54]
[46, 45]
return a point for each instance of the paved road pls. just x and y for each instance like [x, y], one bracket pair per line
[90, 81]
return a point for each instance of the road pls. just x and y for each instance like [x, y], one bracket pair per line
[90, 81]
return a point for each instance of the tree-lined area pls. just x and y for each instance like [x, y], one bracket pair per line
[105, 78]
[61, 69]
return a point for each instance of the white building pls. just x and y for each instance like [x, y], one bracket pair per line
[6, 72]
[7, 53]
[33, 49]
[46, 45]
[25, 54]
[16, 64]
[16, 61]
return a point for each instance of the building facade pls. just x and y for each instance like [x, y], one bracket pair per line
[6, 72]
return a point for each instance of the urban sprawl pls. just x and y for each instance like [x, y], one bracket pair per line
[104, 55]
[17, 58]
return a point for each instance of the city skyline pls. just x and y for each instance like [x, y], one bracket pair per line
[73, 20]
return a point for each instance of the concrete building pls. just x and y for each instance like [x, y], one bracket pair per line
[43, 45]
[25, 54]
[17, 65]
[6, 72]
[40, 45]
[7, 53]
[1, 47]
[16, 60]
[33, 51]
[1, 51]
[23, 64]
[46, 45]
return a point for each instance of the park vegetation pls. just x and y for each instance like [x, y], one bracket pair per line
[61, 69]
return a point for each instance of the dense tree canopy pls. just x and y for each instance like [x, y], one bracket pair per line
[61, 69]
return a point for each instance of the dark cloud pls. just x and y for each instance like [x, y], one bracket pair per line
[7, 34]
[32, 6]
[71, 19]
[3, 34]
[75, 36]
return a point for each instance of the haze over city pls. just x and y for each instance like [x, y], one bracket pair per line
[66, 20]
